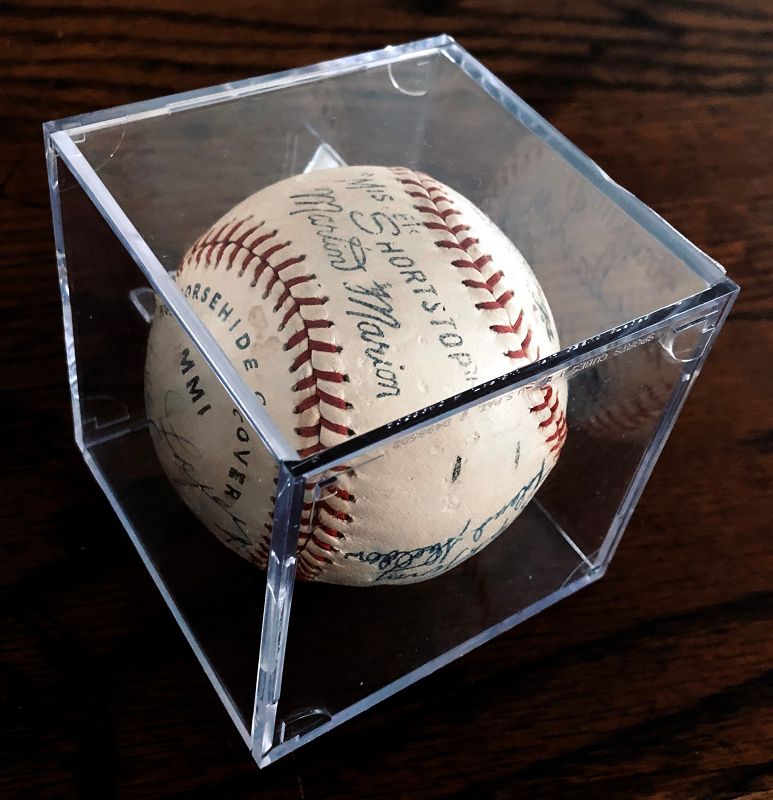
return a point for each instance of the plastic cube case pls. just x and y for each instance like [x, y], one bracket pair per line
[636, 308]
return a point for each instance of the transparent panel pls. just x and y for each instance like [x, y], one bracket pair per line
[193, 165]
[467, 525]
[597, 267]
[139, 397]
[621, 403]
[445, 527]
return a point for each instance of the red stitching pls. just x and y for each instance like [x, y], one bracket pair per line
[223, 238]
[314, 430]
[311, 564]
[433, 194]
[315, 399]
[212, 248]
[343, 516]
[629, 414]
[554, 426]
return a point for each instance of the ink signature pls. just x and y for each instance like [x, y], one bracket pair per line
[432, 559]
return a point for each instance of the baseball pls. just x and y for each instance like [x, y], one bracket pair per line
[347, 298]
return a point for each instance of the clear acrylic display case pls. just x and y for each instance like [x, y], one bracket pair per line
[636, 307]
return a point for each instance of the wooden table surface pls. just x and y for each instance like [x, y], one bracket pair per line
[653, 683]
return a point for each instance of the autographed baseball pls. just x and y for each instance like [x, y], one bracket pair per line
[347, 298]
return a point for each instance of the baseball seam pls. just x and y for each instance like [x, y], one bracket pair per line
[629, 414]
[302, 310]
[321, 411]
[324, 537]
[438, 210]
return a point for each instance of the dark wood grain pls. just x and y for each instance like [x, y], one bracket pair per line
[654, 683]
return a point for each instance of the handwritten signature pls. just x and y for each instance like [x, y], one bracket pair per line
[182, 449]
[432, 559]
